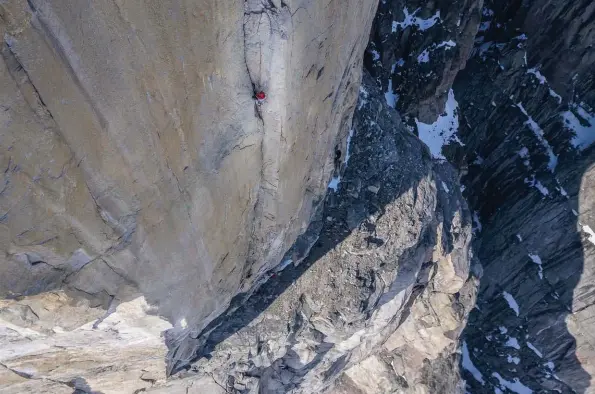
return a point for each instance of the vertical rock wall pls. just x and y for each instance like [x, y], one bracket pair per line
[139, 177]
[133, 151]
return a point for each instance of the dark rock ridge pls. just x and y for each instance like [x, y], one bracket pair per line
[525, 99]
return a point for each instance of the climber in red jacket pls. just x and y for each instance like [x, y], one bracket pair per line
[260, 97]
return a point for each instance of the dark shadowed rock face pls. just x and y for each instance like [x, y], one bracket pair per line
[416, 49]
[525, 104]
[531, 180]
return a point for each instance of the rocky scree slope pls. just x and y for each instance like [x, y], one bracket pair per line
[519, 121]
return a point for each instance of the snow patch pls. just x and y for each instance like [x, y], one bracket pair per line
[424, 57]
[561, 189]
[538, 185]
[363, 97]
[334, 183]
[581, 120]
[538, 75]
[556, 96]
[590, 233]
[511, 302]
[537, 260]
[543, 81]
[476, 222]
[391, 97]
[446, 44]
[553, 161]
[412, 20]
[503, 330]
[513, 360]
[515, 386]
[469, 366]
[445, 188]
[375, 54]
[347, 150]
[530, 346]
[443, 130]
[512, 342]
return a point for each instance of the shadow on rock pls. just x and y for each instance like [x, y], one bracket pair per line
[362, 256]
[81, 386]
[529, 330]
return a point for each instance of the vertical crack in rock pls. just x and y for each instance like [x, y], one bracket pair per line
[23, 81]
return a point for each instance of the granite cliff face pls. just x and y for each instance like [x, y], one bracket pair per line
[137, 167]
[132, 145]
[380, 280]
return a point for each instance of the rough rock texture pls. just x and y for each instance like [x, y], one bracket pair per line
[141, 180]
[51, 343]
[532, 185]
[136, 162]
[526, 119]
[387, 278]
[416, 49]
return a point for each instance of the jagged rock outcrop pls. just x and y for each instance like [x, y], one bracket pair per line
[519, 120]
[417, 48]
[388, 277]
[136, 162]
